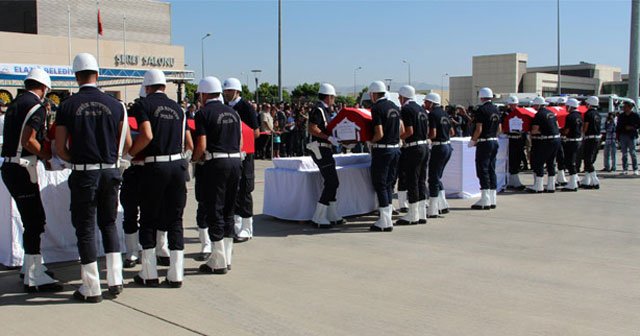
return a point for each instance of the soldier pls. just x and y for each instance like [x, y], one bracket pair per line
[416, 155]
[590, 142]
[218, 142]
[97, 123]
[545, 139]
[385, 153]
[24, 143]
[162, 140]
[561, 179]
[516, 148]
[485, 138]
[572, 136]
[321, 147]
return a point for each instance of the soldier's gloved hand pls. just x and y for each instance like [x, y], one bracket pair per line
[127, 157]
[187, 155]
[334, 141]
[243, 155]
[471, 143]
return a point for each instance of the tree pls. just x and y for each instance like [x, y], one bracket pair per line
[306, 91]
[362, 92]
[346, 100]
[246, 94]
[190, 92]
[268, 93]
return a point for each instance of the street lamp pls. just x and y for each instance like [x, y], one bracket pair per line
[202, 49]
[409, 65]
[255, 75]
[388, 81]
[354, 81]
[442, 84]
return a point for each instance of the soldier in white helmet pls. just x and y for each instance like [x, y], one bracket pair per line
[516, 148]
[590, 143]
[571, 139]
[545, 141]
[326, 213]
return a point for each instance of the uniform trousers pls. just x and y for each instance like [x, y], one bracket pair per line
[544, 152]
[244, 201]
[560, 158]
[94, 196]
[130, 196]
[571, 156]
[590, 152]
[440, 156]
[327, 166]
[201, 211]
[27, 198]
[402, 172]
[221, 177]
[384, 170]
[413, 164]
[516, 154]
[486, 152]
[164, 196]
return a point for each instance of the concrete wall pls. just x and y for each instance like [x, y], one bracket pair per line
[461, 90]
[538, 81]
[502, 73]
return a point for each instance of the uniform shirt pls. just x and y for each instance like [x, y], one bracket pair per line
[593, 118]
[221, 125]
[415, 116]
[439, 120]
[247, 114]
[573, 123]
[92, 119]
[547, 122]
[166, 119]
[14, 119]
[489, 116]
[385, 113]
[320, 116]
[627, 120]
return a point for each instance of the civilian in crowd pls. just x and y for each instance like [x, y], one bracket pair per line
[610, 146]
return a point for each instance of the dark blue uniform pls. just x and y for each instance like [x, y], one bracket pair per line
[516, 150]
[487, 146]
[244, 202]
[25, 193]
[199, 186]
[130, 193]
[415, 153]
[544, 146]
[386, 152]
[591, 139]
[440, 150]
[571, 142]
[221, 125]
[320, 116]
[92, 119]
[164, 192]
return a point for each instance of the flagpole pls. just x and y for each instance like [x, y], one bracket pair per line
[124, 35]
[69, 31]
[98, 34]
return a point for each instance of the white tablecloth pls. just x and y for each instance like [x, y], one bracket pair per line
[59, 240]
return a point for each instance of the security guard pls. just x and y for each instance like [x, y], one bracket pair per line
[545, 141]
[385, 153]
[218, 141]
[516, 148]
[561, 179]
[591, 131]
[321, 148]
[130, 197]
[485, 138]
[24, 143]
[572, 136]
[416, 155]
[162, 140]
[96, 123]
[243, 218]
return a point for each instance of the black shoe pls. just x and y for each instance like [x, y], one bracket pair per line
[47, 272]
[116, 290]
[395, 212]
[228, 267]
[405, 222]
[340, 222]
[481, 207]
[323, 226]
[239, 240]
[128, 263]
[147, 283]
[46, 288]
[172, 284]
[584, 186]
[203, 256]
[561, 184]
[88, 299]
[595, 186]
[404, 209]
[531, 191]
[568, 190]
[444, 211]
[374, 228]
[164, 261]
[204, 268]
[422, 221]
[547, 191]
[492, 206]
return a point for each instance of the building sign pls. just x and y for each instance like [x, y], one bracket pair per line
[23, 69]
[150, 61]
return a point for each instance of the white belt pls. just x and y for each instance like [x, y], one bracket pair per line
[571, 139]
[164, 158]
[592, 137]
[14, 159]
[514, 136]
[487, 139]
[93, 166]
[438, 143]
[385, 146]
[212, 156]
[545, 137]
[415, 143]
[325, 145]
[137, 163]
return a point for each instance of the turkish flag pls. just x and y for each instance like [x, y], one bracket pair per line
[99, 23]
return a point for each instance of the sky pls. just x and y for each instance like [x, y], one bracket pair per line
[324, 41]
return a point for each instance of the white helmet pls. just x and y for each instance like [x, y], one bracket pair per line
[512, 100]
[407, 91]
[433, 97]
[232, 84]
[539, 101]
[85, 61]
[562, 100]
[209, 84]
[39, 76]
[572, 102]
[143, 92]
[593, 101]
[485, 93]
[327, 89]
[377, 87]
[154, 77]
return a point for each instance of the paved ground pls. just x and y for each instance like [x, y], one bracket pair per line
[561, 264]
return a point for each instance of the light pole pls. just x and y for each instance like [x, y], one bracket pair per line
[255, 75]
[202, 49]
[559, 80]
[442, 83]
[279, 50]
[388, 81]
[409, 65]
[354, 81]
